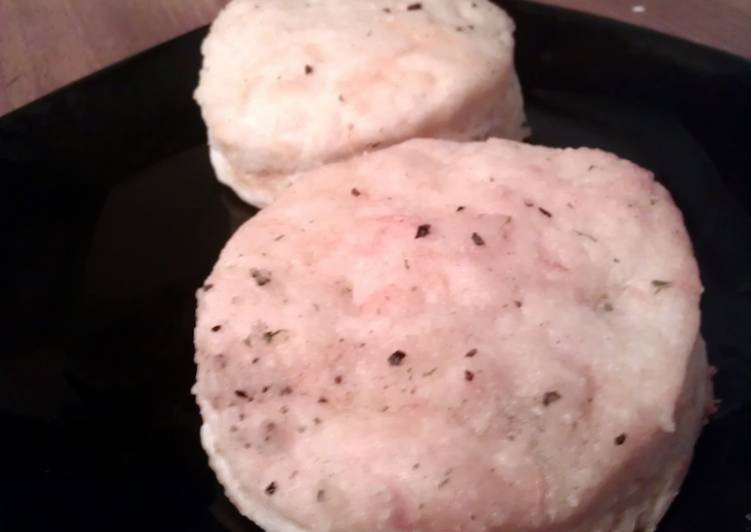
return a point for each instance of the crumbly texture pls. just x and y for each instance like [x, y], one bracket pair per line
[288, 85]
[452, 336]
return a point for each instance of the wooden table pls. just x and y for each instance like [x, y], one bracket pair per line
[45, 44]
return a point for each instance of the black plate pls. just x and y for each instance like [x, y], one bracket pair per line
[114, 219]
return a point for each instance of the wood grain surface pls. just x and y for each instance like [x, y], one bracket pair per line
[45, 44]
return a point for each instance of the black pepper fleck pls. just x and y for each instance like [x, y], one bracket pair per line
[308, 70]
[265, 389]
[268, 336]
[386, 10]
[620, 439]
[550, 397]
[545, 212]
[460, 208]
[422, 231]
[322, 400]
[586, 235]
[271, 488]
[477, 239]
[216, 328]
[397, 357]
[207, 287]
[518, 304]
[241, 394]
[261, 277]
[338, 379]
[471, 353]
[321, 495]
[468, 375]
[355, 192]
[414, 7]
[659, 285]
